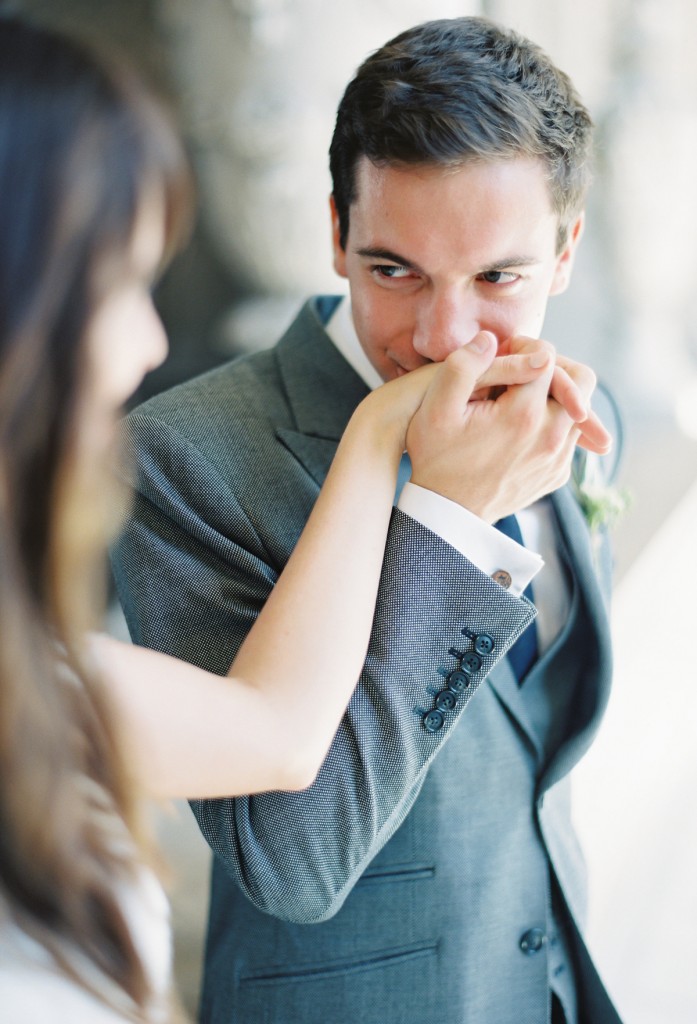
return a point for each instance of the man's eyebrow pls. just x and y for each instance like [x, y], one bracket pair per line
[376, 253]
[509, 263]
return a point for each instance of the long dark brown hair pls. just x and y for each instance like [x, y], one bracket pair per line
[80, 145]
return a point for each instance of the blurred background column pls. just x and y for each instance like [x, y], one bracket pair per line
[633, 62]
[651, 138]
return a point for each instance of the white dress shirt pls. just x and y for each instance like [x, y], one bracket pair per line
[484, 545]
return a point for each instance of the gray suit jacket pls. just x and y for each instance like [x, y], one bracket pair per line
[411, 881]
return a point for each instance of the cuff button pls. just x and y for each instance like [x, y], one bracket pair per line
[502, 577]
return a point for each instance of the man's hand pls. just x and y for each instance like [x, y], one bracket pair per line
[515, 442]
[572, 385]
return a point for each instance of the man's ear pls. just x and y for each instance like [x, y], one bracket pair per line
[338, 250]
[565, 259]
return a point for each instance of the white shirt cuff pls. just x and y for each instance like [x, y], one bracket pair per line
[486, 547]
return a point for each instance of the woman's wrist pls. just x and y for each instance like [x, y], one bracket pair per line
[382, 422]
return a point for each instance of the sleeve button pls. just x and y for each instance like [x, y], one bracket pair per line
[471, 662]
[433, 721]
[483, 644]
[446, 700]
[458, 681]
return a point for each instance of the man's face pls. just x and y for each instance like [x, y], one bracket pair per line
[434, 255]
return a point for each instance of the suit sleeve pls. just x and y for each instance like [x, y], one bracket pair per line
[192, 573]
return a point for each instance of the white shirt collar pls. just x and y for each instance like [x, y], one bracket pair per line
[342, 333]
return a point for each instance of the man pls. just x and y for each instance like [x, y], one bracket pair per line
[431, 873]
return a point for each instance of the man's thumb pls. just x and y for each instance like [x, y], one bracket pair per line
[482, 344]
[458, 375]
[473, 359]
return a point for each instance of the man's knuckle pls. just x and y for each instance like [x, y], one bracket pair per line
[526, 421]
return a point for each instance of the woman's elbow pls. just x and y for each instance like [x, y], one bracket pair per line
[299, 769]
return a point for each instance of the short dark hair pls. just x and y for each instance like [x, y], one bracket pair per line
[453, 90]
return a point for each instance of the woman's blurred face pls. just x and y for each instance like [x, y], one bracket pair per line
[125, 337]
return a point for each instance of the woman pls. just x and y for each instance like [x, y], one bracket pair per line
[93, 191]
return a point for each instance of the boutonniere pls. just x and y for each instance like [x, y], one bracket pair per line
[602, 504]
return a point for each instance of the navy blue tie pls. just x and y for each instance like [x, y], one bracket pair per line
[403, 476]
[523, 653]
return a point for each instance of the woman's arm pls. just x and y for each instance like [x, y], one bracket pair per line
[268, 726]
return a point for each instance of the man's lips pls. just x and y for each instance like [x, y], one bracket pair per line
[400, 370]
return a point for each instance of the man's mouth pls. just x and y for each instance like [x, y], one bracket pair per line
[400, 370]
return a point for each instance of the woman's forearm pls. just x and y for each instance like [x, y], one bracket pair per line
[268, 726]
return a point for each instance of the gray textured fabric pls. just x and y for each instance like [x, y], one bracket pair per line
[397, 888]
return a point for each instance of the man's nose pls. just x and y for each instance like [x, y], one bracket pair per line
[445, 324]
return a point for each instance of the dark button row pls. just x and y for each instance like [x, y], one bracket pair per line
[458, 680]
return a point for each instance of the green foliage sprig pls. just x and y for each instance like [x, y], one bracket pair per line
[602, 504]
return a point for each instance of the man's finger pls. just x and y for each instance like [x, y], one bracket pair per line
[515, 369]
[568, 394]
[594, 436]
[457, 376]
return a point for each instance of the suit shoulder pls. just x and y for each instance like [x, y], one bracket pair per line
[229, 380]
[241, 396]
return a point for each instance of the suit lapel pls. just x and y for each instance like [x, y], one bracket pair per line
[503, 682]
[588, 601]
[597, 651]
[321, 388]
[314, 454]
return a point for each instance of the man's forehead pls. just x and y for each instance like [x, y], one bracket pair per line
[492, 201]
[380, 179]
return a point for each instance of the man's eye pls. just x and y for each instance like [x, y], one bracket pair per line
[499, 277]
[390, 271]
